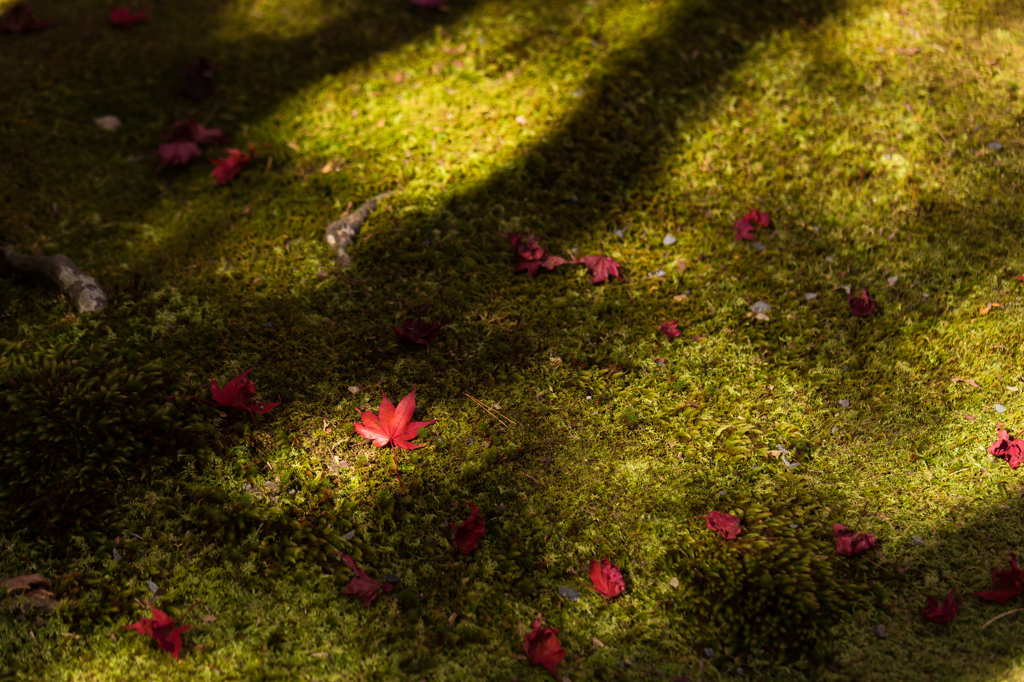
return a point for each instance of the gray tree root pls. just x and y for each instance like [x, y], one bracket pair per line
[81, 288]
[341, 233]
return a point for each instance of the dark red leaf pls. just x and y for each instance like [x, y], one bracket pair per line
[670, 329]
[944, 612]
[190, 131]
[862, 305]
[470, 532]
[601, 268]
[726, 525]
[533, 257]
[237, 393]
[1020, 277]
[20, 19]
[1007, 448]
[850, 542]
[178, 153]
[607, 578]
[1005, 584]
[122, 17]
[197, 80]
[543, 648]
[228, 168]
[758, 218]
[362, 585]
[418, 331]
[161, 629]
[744, 230]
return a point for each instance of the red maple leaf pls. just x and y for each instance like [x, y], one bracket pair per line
[21, 18]
[1005, 584]
[228, 168]
[862, 305]
[670, 329]
[237, 393]
[727, 525]
[393, 426]
[533, 257]
[362, 585]
[418, 331]
[122, 17]
[197, 80]
[161, 629]
[543, 648]
[1020, 277]
[177, 153]
[744, 230]
[607, 578]
[190, 131]
[941, 612]
[470, 532]
[601, 268]
[1007, 448]
[850, 542]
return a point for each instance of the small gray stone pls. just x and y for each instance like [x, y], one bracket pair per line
[758, 246]
[669, 240]
[152, 586]
[844, 402]
[569, 593]
[810, 296]
[881, 632]
[918, 540]
[391, 578]
[760, 307]
[117, 555]
[709, 652]
[349, 535]
[995, 146]
[999, 408]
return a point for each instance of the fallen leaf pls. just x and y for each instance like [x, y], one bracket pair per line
[908, 51]
[1008, 448]
[470, 531]
[392, 426]
[850, 542]
[892, 280]
[236, 393]
[1005, 584]
[418, 331]
[228, 168]
[197, 80]
[362, 585]
[680, 297]
[726, 525]
[670, 329]
[160, 628]
[190, 131]
[607, 578]
[862, 305]
[674, 583]
[601, 268]
[598, 643]
[177, 153]
[122, 17]
[941, 612]
[107, 123]
[21, 18]
[533, 257]
[209, 619]
[543, 648]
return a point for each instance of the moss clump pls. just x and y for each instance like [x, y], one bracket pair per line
[77, 424]
[773, 592]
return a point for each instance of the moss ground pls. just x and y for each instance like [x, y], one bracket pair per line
[862, 127]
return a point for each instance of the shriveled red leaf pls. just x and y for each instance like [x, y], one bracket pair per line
[228, 168]
[190, 131]
[543, 648]
[601, 268]
[362, 585]
[862, 305]
[744, 230]
[392, 426]
[178, 153]
[514, 239]
[418, 331]
[122, 17]
[160, 628]
[726, 525]
[20, 19]
[533, 257]
[470, 531]
[1005, 584]
[32, 590]
[1008, 448]
[941, 612]
[607, 578]
[670, 329]
[1020, 277]
[197, 80]
[850, 542]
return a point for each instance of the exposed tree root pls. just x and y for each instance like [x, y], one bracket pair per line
[81, 288]
[341, 233]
